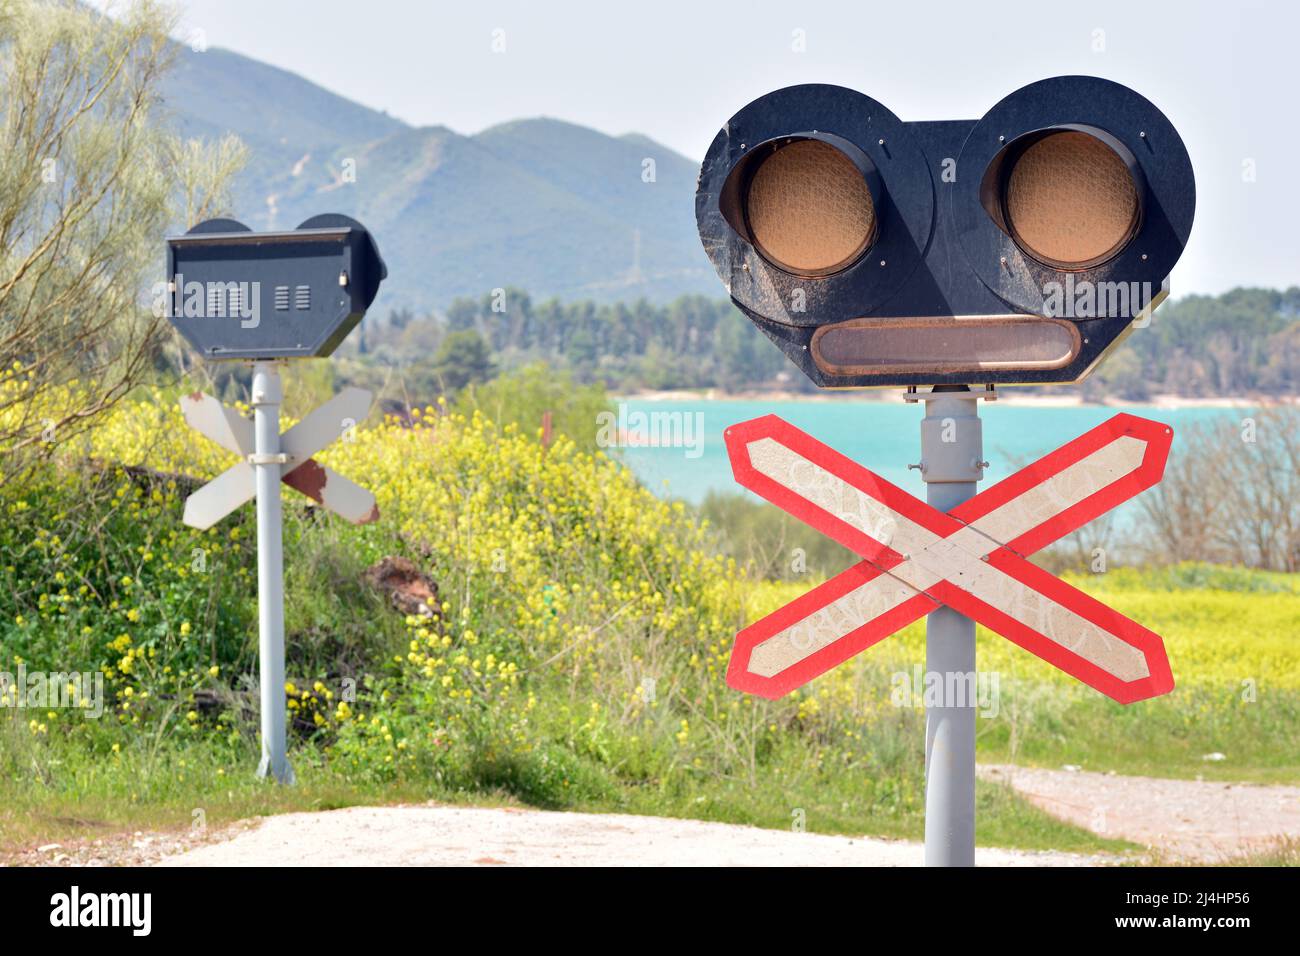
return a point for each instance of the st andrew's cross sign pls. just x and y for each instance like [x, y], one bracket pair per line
[973, 558]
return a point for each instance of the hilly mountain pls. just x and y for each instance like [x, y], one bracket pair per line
[540, 204]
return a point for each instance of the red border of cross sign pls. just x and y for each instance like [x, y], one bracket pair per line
[972, 558]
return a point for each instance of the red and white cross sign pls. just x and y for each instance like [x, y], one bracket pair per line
[972, 559]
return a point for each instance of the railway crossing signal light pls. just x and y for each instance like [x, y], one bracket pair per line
[1017, 248]
[266, 297]
[238, 294]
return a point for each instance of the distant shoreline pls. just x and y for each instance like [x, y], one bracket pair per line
[895, 396]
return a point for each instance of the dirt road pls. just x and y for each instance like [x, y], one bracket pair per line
[1180, 820]
[469, 836]
[1177, 820]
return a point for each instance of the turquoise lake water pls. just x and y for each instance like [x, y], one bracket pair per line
[882, 436]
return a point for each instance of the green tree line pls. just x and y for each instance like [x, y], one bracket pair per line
[692, 342]
[1243, 342]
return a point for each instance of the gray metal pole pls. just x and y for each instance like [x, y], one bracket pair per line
[267, 395]
[952, 462]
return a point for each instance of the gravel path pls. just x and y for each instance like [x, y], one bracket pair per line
[1178, 820]
[469, 836]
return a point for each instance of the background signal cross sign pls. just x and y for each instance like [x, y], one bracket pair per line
[238, 483]
[972, 558]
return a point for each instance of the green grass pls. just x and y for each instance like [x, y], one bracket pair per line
[1166, 737]
[77, 795]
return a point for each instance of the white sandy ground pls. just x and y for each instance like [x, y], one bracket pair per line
[1182, 820]
[473, 836]
[1176, 820]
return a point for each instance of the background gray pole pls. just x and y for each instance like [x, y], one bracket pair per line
[267, 396]
[952, 461]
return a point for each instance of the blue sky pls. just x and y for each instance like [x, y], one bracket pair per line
[1225, 74]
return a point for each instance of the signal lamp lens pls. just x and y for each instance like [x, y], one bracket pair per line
[945, 345]
[808, 209]
[1070, 201]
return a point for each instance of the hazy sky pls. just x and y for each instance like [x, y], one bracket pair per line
[1225, 73]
